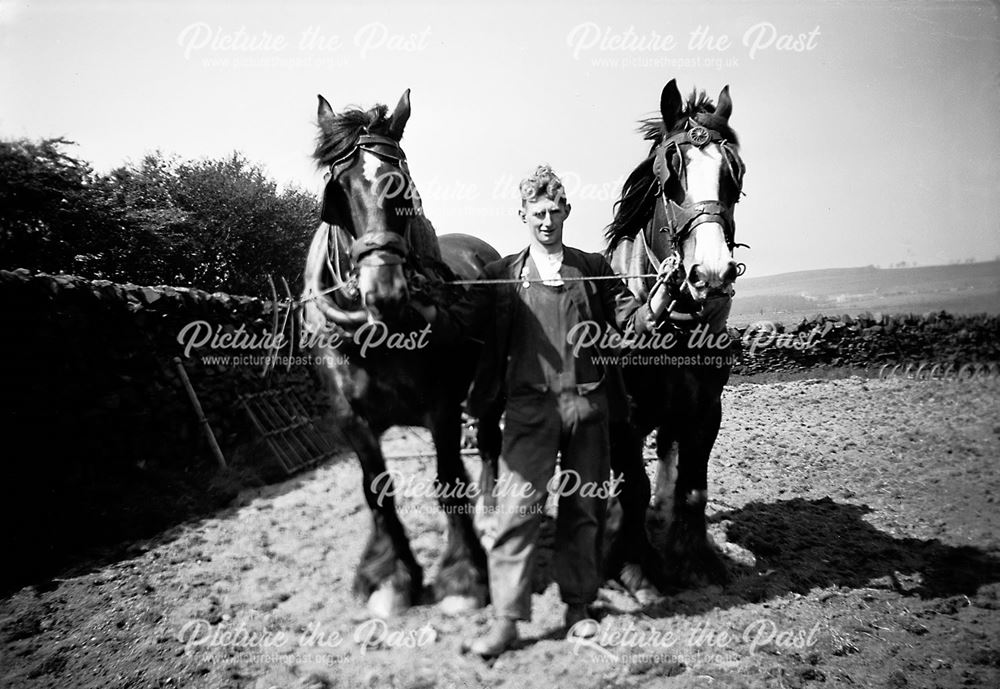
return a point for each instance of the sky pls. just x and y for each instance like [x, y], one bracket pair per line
[869, 129]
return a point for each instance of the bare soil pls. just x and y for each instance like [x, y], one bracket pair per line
[858, 518]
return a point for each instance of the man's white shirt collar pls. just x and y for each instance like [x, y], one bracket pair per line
[548, 266]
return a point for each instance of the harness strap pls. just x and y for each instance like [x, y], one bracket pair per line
[339, 283]
[683, 219]
[380, 248]
[369, 142]
[653, 261]
[696, 135]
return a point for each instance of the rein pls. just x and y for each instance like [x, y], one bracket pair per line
[351, 284]
[519, 281]
[506, 281]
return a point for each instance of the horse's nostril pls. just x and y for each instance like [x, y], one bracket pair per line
[731, 272]
[696, 276]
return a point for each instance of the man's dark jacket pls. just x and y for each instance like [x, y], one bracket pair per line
[488, 312]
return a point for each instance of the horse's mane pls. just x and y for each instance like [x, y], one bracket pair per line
[635, 206]
[423, 240]
[339, 133]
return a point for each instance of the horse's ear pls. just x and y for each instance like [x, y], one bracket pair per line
[724, 108]
[324, 111]
[670, 104]
[399, 116]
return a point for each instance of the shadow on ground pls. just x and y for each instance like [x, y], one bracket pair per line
[800, 545]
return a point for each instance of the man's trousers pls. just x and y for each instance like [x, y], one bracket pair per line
[537, 427]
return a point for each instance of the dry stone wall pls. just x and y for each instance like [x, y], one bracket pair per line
[868, 341]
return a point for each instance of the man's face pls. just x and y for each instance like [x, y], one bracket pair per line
[545, 218]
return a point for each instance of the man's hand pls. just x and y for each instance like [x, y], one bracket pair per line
[659, 298]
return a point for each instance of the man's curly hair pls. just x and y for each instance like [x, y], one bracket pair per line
[543, 182]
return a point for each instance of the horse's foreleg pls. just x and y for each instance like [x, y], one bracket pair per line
[693, 558]
[388, 575]
[628, 555]
[489, 437]
[461, 583]
[666, 478]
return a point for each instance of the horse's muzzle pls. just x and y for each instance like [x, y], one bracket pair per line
[383, 307]
[703, 283]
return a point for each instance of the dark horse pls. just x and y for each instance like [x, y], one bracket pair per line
[677, 207]
[375, 265]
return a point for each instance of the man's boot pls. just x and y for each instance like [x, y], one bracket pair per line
[498, 639]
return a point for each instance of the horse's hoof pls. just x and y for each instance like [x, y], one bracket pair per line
[716, 572]
[648, 596]
[460, 605]
[641, 588]
[708, 566]
[701, 566]
[386, 602]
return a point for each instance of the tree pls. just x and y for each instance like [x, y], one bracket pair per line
[53, 215]
[218, 225]
[242, 227]
[158, 250]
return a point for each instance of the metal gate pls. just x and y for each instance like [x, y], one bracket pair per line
[288, 429]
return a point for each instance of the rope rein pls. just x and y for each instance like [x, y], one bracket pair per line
[518, 281]
[495, 281]
[665, 269]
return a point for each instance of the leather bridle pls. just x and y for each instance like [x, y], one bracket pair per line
[681, 219]
[387, 149]
[374, 144]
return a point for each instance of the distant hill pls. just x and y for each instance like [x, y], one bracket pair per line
[789, 297]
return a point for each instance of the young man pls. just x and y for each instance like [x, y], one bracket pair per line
[555, 402]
